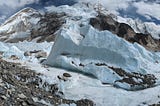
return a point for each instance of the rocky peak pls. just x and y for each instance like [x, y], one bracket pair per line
[106, 22]
[47, 26]
[24, 13]
[18, 26]
[29, 24]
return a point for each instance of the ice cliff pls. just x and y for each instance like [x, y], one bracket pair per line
[109, 58]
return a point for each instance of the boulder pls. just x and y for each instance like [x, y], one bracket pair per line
[36, 53]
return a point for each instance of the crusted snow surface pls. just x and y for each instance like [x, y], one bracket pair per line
[85, 49]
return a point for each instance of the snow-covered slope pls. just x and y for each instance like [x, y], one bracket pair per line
[18, 26]
[29, 24]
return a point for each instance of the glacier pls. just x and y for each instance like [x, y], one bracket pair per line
[81, 48]
[90, 53]
[99, 53]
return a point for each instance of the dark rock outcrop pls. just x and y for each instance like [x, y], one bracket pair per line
[136, 81]
[103, 22]
[47, 26]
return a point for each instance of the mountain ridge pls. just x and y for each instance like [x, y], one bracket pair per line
[29, 24]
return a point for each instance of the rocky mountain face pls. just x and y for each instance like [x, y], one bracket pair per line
[29, 24]
[123, 30]
[47, 26]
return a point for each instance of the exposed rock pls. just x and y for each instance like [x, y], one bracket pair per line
[27, 53]
[66, 75]
[135, 80]
[36, 53]
[47, 26]
[14, 57]
[103, 22]
[156, 104]
[22, 96]
[41, 54]
[85, 102]
[2, 91]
